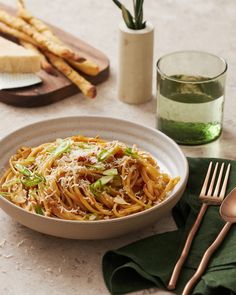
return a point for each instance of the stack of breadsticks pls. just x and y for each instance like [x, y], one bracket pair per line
[34, 34]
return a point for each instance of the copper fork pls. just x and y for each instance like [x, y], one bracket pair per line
[207, 197]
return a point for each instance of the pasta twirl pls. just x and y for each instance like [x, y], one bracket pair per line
[81, 178]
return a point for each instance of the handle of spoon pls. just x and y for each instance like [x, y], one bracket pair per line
[205, 259]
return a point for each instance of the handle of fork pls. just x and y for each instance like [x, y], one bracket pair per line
[205, 259]
[187, 246]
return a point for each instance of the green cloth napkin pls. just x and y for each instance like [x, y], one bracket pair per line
[150, 261]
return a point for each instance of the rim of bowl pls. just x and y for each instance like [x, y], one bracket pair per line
[191, 82]
[181, 185]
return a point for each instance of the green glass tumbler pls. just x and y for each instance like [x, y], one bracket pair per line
[190, 96]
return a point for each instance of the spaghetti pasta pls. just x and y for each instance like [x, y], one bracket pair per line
[82, 178]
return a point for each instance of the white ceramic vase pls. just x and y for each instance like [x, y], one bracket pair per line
[135, 64]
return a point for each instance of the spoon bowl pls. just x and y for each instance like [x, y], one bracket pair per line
[228, 207]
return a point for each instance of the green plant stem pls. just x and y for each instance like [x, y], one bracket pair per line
[133, 22]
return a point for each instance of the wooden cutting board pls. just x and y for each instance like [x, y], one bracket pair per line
[55, 88]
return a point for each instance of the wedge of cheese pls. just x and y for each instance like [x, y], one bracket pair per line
[16, 59]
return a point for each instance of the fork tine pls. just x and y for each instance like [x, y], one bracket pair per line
[217, 188]
[209, 192]
[204, 187]
[223, 189]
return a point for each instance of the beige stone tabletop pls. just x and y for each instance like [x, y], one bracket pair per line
[33, 263]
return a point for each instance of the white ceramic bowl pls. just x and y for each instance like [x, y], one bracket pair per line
[166, 151]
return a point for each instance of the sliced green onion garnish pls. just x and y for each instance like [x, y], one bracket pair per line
[84, 145]
[148, 206]
[63, 147]
[95, 192]
[98, 185]
[38, 210]
[129, 152]
[33, 180]
[98, 166]
[91, 216]
[23, 170]
[30, 179]
[111, 172]
[103, 155]
[105, 179]
[27, 160]
[5, 194]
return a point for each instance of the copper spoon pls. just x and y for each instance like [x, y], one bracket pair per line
[228, 213]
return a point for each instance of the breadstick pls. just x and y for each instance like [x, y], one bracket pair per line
[21, 10]
[40, 39]
[85, 86]
[39, 25]
[15, 33]
[45, 65]
[87, 66]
